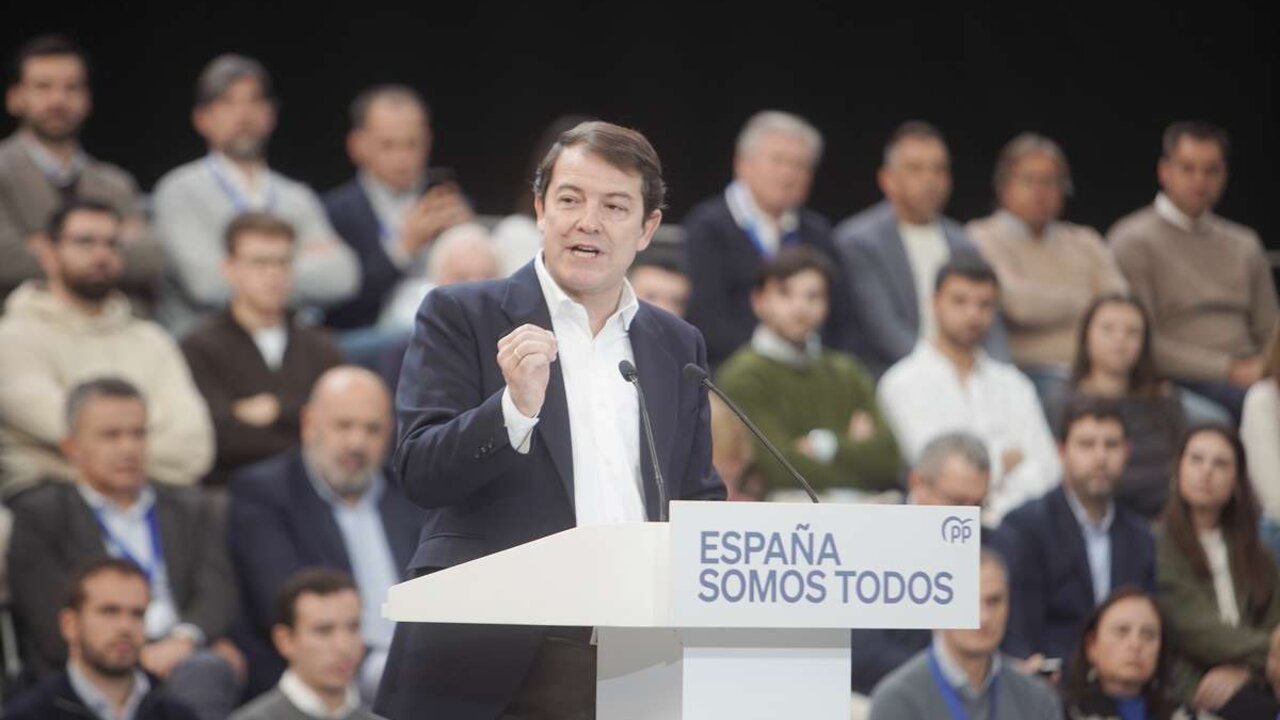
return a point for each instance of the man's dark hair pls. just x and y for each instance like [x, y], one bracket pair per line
[309, 581]
[76, 594]
[911, 129]
[58, 219]
[1082, 407]
[262, 223]
[390, 91]
[667, 256]
[623, 148]
[791, 261]
[108, 387]
[224, 71]
[53, 45]
[1196, 129]
[967, 265]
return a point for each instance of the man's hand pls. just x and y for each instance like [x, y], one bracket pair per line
[861, 426]
[440, 208]
[161, 657]
[1246, 371]
[227, 650]
[1010, 459]
[259, 410]
[1218, 686]
[525, 356]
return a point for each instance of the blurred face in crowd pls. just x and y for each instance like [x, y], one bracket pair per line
[345, 428]
[260, 271]
[393, 143]
[1114, 338]
[593, 223]
[464, 253]
[793, 308]
[1093, 458]
[662, 287]
[1126, 646]
[108, 445]
[107, 632]
[964, 309]
[86, 259]
[1034, 191]
[324, 646]
[1194, 175]
[1207, 472]
[917, 178]
[958, 483]
[51, 97]
[239, 122]
[993, 614]
[777, 169]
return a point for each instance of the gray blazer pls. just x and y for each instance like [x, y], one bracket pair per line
[275, 706]
[884, 289]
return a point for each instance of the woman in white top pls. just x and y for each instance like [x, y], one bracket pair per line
[1260, 431]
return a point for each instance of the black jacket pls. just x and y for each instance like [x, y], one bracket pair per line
[55, 699]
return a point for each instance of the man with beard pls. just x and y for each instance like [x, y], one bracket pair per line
[102, 624]
[235, 114]
[75, 326]
[43, 165]
[328, 504]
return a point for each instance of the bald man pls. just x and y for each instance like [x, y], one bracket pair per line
[464, 253]
[328, 503]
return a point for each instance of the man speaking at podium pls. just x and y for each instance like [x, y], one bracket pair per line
[515, 423]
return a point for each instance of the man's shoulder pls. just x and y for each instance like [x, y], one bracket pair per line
[908, 370]
[269, 480]
[52, 698]
[343, 196]
[182, 177]
[47, 498]
[272, 705]
[1030, 519]
[121, 181]
[906, 680]
[866, 228]
[1137, 227]
[713, 210]
[209, 336]
[1031, 696]
[1238, 233]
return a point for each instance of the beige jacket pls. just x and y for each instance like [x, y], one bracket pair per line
[48, 346]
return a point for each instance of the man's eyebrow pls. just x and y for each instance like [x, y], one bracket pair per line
[570, 187]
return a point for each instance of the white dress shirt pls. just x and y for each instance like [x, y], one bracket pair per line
[923, 396]
[102, 706]
[1224, 589]
[927, 252]
[1097, 544]
[271, 343]
[604, 414]
[310, 703]
[1173, 215]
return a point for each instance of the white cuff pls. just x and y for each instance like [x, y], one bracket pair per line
[824, 444]
[189, 631]
[519, 426]
[401, 259]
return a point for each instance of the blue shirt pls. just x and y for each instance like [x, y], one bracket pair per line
[1097, 544]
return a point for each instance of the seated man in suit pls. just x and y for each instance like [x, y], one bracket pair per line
[43, 165]
[893, 250]
[317, 629]
[730, 235]
[102, 623]
[393, 209]
[330, 504]
[112, 510]
[1069, 549]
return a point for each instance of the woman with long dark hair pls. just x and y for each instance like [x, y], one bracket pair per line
[1120, 668]
[1218, 588]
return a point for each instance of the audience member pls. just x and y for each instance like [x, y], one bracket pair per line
[75, 326]
[43, 165]
[730, 235]
[327, 504]
[963, 673]
[1205, 280]
[733, 455]
[317, 629]
[103, 626]
[817, 405]
[1217, 585]
[1120, 668]
[892, 251]
[1260, 431]
[254, 363]
[659, 278]
[235, 114]
[1050, 270]
[950, 383]
[463, 253]
[953, 470]
[112, 510]
[1070, 548]
[394, 208]
[1114, 361]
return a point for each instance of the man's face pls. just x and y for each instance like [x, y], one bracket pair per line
[345, 431]
[659, 286]
[958, 483]
[964, 310]
[1093, 457]
[1033, 191]
[108, 445]
[777, 170]
[87, 257]
[1194, 175]
[51, 98]
[324, 647]
[993, 615]
[260, 271]
[108, 631]
[239, 123]
[393, 144]
[793, 308]
[917, 178]
[593, 224]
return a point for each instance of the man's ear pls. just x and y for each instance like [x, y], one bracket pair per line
[651, 224]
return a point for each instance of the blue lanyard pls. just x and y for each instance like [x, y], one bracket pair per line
[952, 698]
[784, 239]
[157, 550]
[237, 200]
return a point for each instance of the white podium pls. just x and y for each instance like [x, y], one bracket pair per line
[732, 610]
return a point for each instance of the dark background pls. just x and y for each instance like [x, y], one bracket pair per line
[1103, 82]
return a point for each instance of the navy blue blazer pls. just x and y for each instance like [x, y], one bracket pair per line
[1051, 588]
[56, 699]
[454, 458]
[724, 264]
[352, 216]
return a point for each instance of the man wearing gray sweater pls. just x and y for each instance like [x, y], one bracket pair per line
[193, 203]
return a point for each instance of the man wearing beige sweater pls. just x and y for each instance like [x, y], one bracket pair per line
[1204, 279]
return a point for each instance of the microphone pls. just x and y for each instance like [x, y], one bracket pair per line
[629, 374]
[695, 374]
